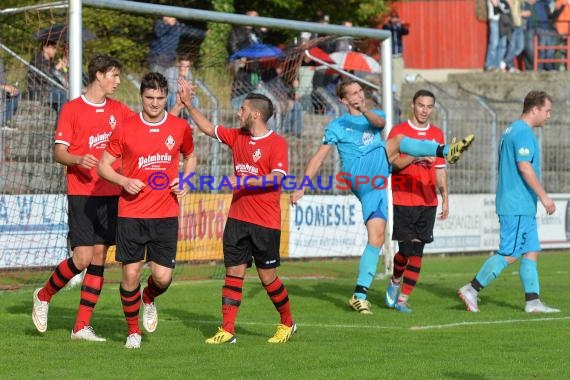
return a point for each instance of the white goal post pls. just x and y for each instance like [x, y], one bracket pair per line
[75, 48]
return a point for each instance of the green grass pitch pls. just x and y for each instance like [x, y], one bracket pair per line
[439, 340]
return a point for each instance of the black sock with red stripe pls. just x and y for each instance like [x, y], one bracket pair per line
[280, 298]
[90, 292]
[151, 291]
[231, 301]
[64, 272]
[411, 275]
[400, 262]
[131, 301]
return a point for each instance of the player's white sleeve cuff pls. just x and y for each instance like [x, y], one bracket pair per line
[62, 142]
[280, 171]
[216, 133]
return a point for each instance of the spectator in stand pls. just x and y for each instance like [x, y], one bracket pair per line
[247, 77]
[283, 91]
[10, 95]
[167, 34]
[561, 17]
[345, 43]
[243, 36]
[398, 30]
[52, 85]
[494, 50]
[182, 70]
[506, 27]
[516, 42]
[540, 24]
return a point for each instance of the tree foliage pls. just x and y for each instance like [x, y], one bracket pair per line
[127, 35]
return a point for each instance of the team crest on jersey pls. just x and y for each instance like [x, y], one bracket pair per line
[367, 138]
[112, 121]
[256, 155]
[170, 142]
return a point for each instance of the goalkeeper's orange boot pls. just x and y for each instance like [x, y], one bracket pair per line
[221, 337]
[283, 333]
[456, 148]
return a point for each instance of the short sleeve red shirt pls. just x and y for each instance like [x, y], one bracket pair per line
[415, 185]
[85, 127]
[150, 152]
[256, 156]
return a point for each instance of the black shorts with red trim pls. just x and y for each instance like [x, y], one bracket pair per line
[247, 242]
[92, 220]
[157, 237]
[414, 222]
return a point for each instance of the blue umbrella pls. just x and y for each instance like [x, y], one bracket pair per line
[257, 51]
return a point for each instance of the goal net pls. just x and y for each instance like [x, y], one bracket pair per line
[296, 69]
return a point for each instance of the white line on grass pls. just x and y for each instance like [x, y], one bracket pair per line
[507, 321]
[372, 327]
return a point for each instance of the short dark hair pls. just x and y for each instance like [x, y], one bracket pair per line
[423, 92]
[154, 81]
[342, 84]
[261, 103]
[535, 99]
[102, 64]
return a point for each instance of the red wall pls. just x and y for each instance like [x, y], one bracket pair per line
[443, 34]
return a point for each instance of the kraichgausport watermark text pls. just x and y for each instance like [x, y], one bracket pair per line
[342, 181]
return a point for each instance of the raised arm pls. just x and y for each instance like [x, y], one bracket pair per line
[312, 168]
[186, 93]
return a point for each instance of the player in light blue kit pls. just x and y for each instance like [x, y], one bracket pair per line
[365, 155]
[517, 192]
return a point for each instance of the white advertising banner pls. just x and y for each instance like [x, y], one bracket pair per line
[473, 225]
[326, 226]
[331, 226]
[33, 230]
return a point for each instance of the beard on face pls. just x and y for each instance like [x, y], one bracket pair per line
[246, 126]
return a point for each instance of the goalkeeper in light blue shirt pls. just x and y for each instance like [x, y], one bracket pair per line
[365, 159]
[518, 190]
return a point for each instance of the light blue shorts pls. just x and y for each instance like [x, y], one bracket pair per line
[372, 195]
[518, 235]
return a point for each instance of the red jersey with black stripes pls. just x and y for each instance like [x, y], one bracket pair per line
[415, 185]
[84, 127]
[150, 152]
[256, 156]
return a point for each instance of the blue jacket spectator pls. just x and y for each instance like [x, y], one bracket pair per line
[9, 95]
[167, 32]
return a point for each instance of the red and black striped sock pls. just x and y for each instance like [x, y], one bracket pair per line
[400, 262]
[280, 298]
[90, 292]
[131, 301]
[64, 272]
[231, 301]
[151, 291]
[411, 274]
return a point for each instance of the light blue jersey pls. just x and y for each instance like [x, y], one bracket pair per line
[354, 137]
[362, 152]
[514, 196]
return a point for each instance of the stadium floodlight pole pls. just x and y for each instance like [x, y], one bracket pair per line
[75, 48]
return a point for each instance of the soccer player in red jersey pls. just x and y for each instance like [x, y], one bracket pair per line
[82, 133]
[253, 229]
[415, 200]
[149, 145]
